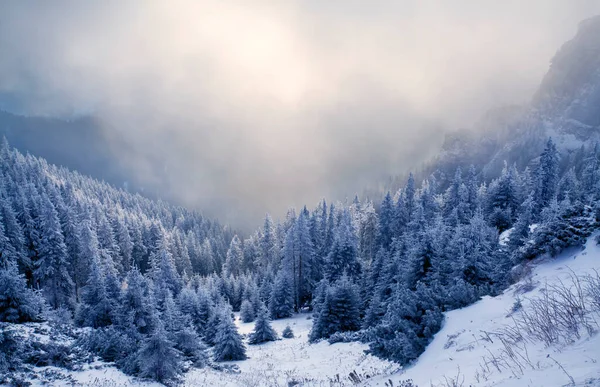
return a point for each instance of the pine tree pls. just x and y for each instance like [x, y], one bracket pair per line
[330, 229]
[247, 311]
[157, 358]
[18, 303]
[409, 198]
[420, 260]
[51, 271]
[472, 186]
[136, 307]
[263, 332]
[281, 302]
[367, 233]
[228, 342]
[97, 309]
[15, 240]
[452, 197]
[298, 254]
[503, 199]
[343, 255]
[386, 221]
[520, 232]
[287, 333]
[569, 186]
[125, 245]
[189, 304]
[235, 256]
[546, 176]
[339, 312]
[164, 274]
[212, 326]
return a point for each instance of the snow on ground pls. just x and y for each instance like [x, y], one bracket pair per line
[463, 353]
[459, 352]
[295, 360]
[96, 374]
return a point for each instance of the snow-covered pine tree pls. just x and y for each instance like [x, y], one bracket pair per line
[228, 342]
[263, 331]
[15, 239]
[386, 221]
[51, 269]
[247, 313]
[287, 333]
[367, 233]
[340, 311]
[235, 257]
[344, 253]
[189, 304]
[281, 302]
[18, 303]
[164, 274]
[546, 177]
[520, 233]
[157, 358]
[136, 307]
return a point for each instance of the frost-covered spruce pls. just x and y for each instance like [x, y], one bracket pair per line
[158, 359]
[339, 312]
[263, 332]
[18, 303]
[96, 309]
[247, 312]
[228, 342]
[281, 303]
[287, 333]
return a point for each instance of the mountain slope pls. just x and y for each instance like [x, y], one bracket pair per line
[565, 107]
[469, 349]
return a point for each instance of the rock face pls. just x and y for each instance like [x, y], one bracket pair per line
[566, 107]
[571, 89]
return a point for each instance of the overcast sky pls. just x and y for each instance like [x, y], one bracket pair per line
[241, 107]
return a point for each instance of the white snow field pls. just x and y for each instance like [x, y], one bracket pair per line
[468, 351]
[288, 361]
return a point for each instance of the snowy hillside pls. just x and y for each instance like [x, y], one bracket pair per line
[469, 350]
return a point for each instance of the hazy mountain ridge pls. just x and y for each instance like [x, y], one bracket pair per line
[565, 107]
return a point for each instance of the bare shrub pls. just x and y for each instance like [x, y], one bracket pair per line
[456, 381]
[563, 311]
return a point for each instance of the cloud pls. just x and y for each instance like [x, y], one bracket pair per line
[243, 107]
